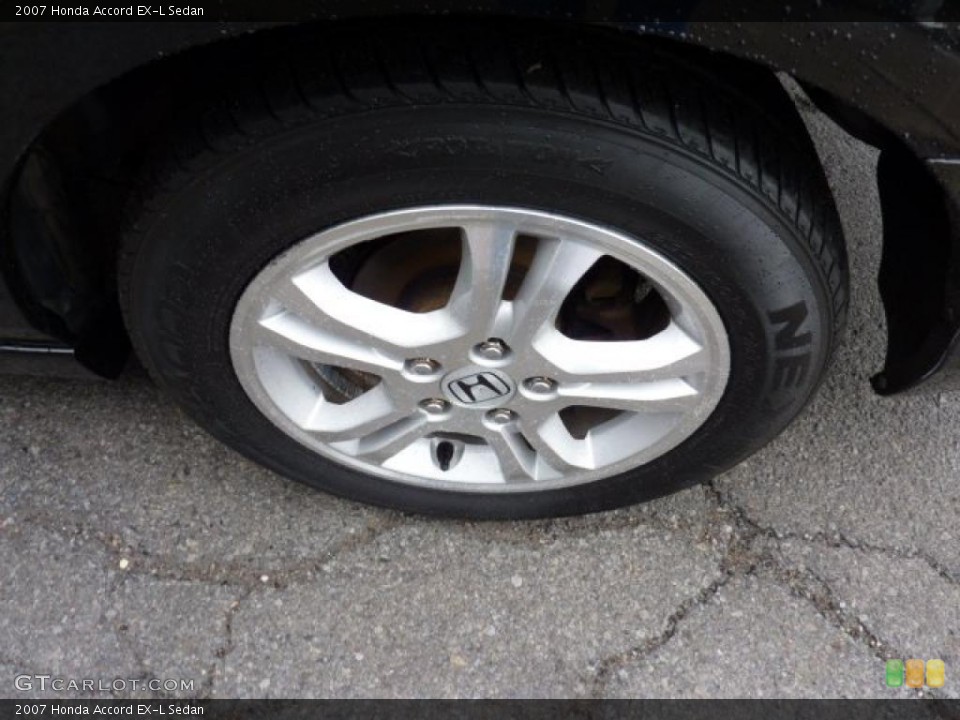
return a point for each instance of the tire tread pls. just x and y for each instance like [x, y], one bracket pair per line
[617, 82]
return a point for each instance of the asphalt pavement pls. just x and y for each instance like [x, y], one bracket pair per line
[134, 547]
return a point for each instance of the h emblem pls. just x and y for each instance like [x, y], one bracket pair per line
[478, 388]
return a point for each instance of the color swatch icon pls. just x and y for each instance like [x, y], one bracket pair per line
[936, 673]
[914, 673]
[894, 673]
[911, 673]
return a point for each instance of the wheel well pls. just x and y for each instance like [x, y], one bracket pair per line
[915, 276]
[66, 207]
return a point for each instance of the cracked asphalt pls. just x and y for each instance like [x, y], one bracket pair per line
[134, 546]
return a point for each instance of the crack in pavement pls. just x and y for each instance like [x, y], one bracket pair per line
[839, 540]
[137, 562]
[609, 665]
[221, 654]
[811, 587]
[249, 581]
[745, 555]
[832, 539]
[120, 632]
[738, 560]
[816, 590]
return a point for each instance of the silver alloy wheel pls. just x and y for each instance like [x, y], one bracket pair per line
[469, 396]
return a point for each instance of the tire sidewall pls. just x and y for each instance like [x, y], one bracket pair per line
[192, 261]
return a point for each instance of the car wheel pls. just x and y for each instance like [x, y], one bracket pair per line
[488, 272]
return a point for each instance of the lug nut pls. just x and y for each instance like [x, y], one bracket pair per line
[422, 366]
[539, 385]
[501, 416]
[434, 406]
[492, 349]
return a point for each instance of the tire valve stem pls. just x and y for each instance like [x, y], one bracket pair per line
[443, 451]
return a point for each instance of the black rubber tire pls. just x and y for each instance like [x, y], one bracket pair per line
[710, 164]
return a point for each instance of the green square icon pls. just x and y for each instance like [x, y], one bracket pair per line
[894, 673]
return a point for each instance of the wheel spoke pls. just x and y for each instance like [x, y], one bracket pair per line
[478, 293]
[364, 415]
[382, 445]
[670, 354]
[517, 461]
[658, 396]
[289, 333]
[374, 425]
[319, 299]
[557, 266]
[555, 446]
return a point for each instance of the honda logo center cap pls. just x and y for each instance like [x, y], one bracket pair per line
[476, 387]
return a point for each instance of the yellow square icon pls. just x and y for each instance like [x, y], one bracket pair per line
[936, 673]
[915, 673]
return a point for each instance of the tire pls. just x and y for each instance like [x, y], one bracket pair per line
[710, 167]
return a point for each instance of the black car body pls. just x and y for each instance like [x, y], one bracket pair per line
[81, 102]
